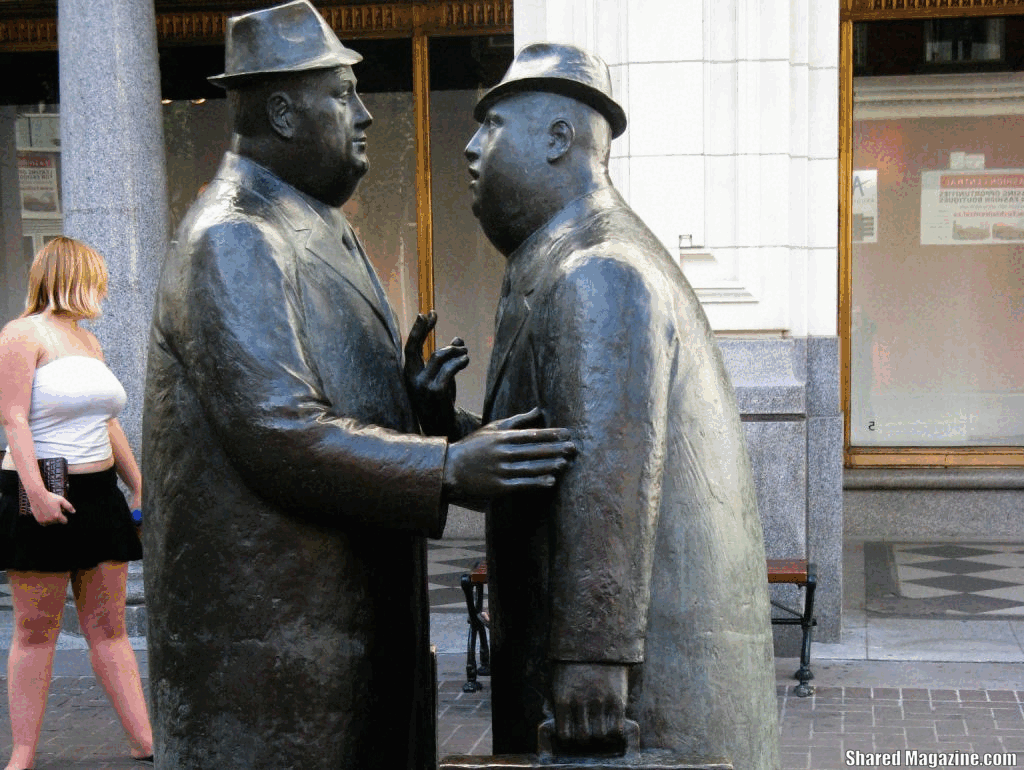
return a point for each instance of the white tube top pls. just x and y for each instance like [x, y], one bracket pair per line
[73, 397]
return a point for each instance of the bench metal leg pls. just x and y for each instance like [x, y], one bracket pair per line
[474, 593]
[484, 669]
[804, 674]
[471, 685]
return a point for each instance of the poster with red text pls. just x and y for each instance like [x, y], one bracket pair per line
[37, 179]
[972, 207]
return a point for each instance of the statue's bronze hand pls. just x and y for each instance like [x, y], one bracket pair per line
[506, 456]
[590, 706]
[431, 385]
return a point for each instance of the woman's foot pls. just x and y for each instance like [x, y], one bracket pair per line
[19, 763]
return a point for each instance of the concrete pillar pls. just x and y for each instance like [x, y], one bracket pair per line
[115, 188]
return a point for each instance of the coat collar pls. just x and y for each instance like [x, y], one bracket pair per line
[529, 262]
[526, 265]
[324, 226]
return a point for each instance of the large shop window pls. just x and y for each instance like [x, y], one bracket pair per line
[30, 193]
[937, 290]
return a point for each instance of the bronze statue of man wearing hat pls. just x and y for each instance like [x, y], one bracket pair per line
[289, 487]
[632, 597]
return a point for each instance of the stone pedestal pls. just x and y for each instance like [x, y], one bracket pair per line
[644, 760]
[788, 394]
[634, 757]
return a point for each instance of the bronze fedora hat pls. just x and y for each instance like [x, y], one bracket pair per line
[561, 69]
[292, 37]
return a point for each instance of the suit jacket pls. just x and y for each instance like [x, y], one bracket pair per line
[649, 552]
[286, 500]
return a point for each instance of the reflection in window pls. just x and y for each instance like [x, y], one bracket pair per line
[955, 41]
[937, 335]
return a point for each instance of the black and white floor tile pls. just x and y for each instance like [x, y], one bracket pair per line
[976, 581]
[447, 562]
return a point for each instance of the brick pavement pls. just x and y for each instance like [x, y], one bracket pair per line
[816, 732]
[81, 732]
[80, 729]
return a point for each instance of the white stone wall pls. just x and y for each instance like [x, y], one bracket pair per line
[732, 143]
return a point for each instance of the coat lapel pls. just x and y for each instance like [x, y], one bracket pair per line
[343, 254]
[329, 239]
[528, 268]
[512, 314]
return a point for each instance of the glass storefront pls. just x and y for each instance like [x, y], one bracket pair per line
[467, 269]
[937, 291]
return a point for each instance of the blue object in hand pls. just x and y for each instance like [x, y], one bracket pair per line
[137, 517]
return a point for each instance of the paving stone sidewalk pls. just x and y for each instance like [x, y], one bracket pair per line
[81, 732]
[818, 731]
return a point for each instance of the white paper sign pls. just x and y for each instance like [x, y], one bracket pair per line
[965, 207]
[37, 180]
[865, 206]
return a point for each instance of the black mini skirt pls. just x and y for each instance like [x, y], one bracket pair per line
[101, 528]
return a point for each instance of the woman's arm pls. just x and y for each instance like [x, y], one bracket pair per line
[19, 351]
[124, 462]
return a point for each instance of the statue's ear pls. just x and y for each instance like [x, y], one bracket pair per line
[281, 114]
[560, 138]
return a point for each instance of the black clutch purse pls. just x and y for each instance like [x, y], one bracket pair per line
[54, 471]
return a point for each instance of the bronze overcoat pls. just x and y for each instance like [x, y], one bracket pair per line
[650, 550]
[286, 502]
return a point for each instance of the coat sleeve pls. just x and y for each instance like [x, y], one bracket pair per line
[604, 351]
[243, 347]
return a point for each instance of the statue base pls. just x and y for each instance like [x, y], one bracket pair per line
[643, 760]
[548, 757]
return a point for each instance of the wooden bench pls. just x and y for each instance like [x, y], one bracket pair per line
[799, 572]
[803, 573]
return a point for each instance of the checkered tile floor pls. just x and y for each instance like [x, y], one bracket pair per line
[977, 581]
[447, 561]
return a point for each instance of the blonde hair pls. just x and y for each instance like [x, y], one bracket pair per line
[67, 277]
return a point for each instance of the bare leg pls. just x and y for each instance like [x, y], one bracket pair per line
[38, 599]
[100, 598]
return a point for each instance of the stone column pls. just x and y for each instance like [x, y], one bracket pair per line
[114, 181]
[115, 188]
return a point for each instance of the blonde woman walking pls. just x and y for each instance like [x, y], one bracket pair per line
[59, 399]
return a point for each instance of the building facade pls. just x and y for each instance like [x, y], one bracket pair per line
[842, 183]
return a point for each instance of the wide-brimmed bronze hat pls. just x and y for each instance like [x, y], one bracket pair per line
[561, 69]
[292, 37]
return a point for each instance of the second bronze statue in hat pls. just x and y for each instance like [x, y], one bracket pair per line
[609, 610]
[559, 69]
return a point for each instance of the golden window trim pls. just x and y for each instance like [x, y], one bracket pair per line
[889, 10]
[934, 457]
[480, 17]
[909, 456]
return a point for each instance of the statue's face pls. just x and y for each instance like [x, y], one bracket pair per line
[504, 156]
[332, 123]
